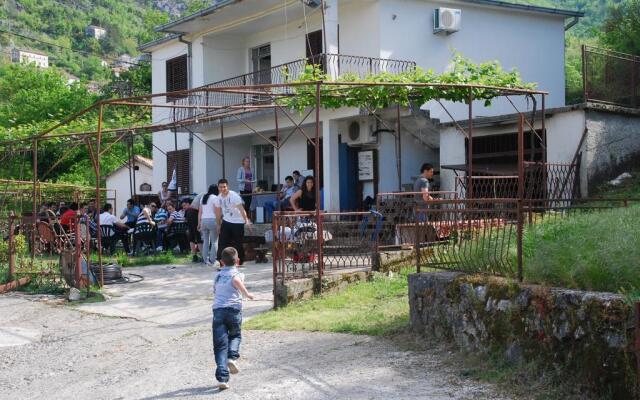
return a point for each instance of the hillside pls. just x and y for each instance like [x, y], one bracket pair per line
[63, 22]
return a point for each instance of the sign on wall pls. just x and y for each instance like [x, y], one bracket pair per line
[366, 165]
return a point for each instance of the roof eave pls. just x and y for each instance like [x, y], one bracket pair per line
[202, 13]
[148, 47]
[526, 7]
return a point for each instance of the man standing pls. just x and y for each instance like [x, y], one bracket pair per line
[283, 198]
[234, 217]
[422, 184]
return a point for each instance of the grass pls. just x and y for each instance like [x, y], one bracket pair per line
[124, 260]
[592, 250]
[377, 307]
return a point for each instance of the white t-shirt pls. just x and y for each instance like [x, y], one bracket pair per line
[208, 209]
[230, 211]
[108, 219]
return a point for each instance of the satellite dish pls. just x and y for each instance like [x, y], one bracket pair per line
[312, 3]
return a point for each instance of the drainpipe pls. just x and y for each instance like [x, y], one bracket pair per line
[189, 86]
[571, 23]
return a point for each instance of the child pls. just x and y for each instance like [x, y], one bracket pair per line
[228, 291]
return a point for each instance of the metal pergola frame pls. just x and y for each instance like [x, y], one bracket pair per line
[263, 97]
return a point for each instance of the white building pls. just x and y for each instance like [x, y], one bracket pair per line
[95, 32]
[122, 180]
[30, 57]
[233, 37]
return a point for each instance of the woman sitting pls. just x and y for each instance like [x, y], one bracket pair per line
[305, 198]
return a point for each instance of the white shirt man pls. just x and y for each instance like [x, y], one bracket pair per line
[233, 217]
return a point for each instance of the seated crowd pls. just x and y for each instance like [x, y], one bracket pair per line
[178, 224]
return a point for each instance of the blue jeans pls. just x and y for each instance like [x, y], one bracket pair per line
[271, 206]
[226, 327]
[209, 239]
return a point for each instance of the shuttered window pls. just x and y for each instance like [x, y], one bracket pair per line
[180, 161]
[177, 75]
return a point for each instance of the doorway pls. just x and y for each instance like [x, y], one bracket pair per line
[263, 165]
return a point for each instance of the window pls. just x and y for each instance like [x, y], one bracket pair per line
[261, 62]
[145, 187]
[177, 75]
[180, 161]
[314, 48]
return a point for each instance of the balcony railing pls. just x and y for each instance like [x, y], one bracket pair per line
[332, 64]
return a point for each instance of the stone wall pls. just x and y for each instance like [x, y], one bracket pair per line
[587, 334]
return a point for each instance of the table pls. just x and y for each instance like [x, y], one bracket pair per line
[260, 199]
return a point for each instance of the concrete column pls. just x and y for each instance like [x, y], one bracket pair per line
[200, 172]
[197, 63]
[331, 165]
[331, 35]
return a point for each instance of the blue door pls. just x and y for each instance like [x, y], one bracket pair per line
[349, 196]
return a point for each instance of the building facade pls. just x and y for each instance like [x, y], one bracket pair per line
[30, 57]
[255, 38]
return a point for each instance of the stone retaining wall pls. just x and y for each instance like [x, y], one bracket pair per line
[301, 289]
[587, 334]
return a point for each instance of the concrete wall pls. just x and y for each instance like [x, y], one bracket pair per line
[585, 334]
[613, 140]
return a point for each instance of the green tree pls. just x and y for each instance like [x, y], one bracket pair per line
[29, 95]
[621, 30]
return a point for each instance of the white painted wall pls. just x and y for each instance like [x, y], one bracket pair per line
[359, 28]
[119, 181]
[532, 42]
[225, 56]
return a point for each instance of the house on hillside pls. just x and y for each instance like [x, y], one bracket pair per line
[95, 32]
[129, 182]
[30, 57]
[235, 41]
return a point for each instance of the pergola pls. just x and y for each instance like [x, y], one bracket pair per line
[207, 105]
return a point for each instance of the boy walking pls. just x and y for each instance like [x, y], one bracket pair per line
[228, 288]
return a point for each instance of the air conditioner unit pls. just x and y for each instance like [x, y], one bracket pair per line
[312, 3]
[360, 131]
[446, 20]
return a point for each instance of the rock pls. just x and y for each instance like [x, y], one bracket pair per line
[503, 305]
[622, 177]
[561, 331]
[513, 354]
[615, 340]
[74, 294]
[481, 293]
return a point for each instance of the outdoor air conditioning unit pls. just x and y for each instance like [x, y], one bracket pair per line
[312, 3]
[446, 20]
[360, 131]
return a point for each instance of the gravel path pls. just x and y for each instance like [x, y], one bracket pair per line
[92, 352]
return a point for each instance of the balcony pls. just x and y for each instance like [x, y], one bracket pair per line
[200, 101]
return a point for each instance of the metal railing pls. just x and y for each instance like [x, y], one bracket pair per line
[333, 65]
[611, 77]
[347, 241]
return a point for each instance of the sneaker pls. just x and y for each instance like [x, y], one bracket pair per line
[233, 367]
[159, 248]
[223, 385]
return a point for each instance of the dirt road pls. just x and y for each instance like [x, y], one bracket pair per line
[152, 340]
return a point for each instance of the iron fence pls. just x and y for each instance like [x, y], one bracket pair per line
[398, 213]
[333, 65]
[305, 244]
[469, 235]
[611, 77]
